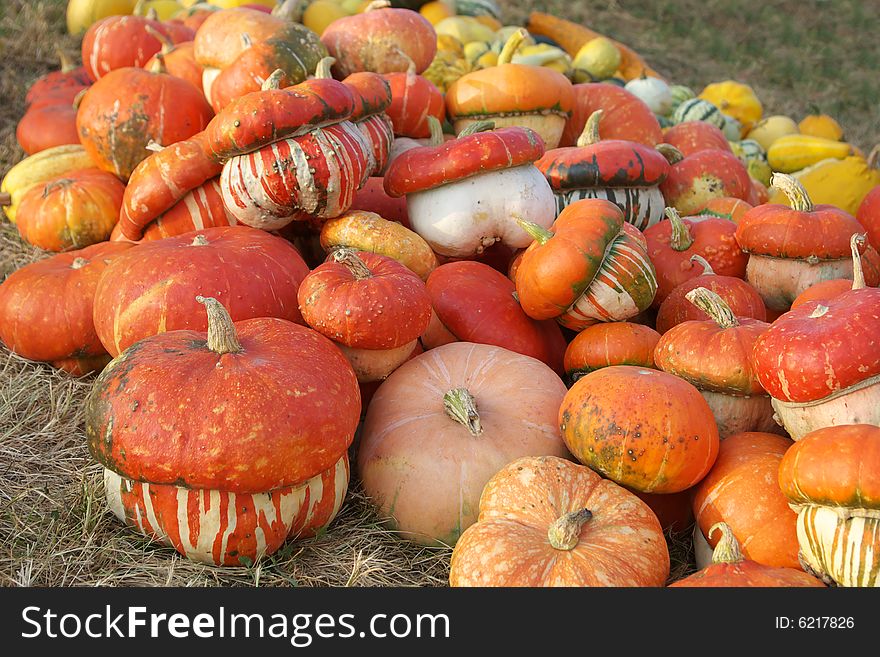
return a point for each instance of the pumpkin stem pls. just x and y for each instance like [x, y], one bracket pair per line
[152, 14]
[161, 37]
[538, 233]
[858, 273]
[714, 306]
[511, 46]
[322, 70]
[289, 10]
[680, 239]
[154, 146]
[670, 152]
[700, 260]
[55, 184]
[78, 263]
[436, 131]
[158, 66]
[461, 406]
[5, 199]
[477, 126]
[67, 64]
[221, 331]
[79, 97]
[377, 4]
[794, 190]
[351, 261]
[590, 134]
[565, 532]
[819, 311]
[200, 240]
[273, 81]
[727, 550]
[246, 41]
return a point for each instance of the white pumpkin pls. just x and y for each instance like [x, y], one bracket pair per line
[654, 92]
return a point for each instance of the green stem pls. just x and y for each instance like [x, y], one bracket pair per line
[436, 129]
[714, 306]
[590, 133]
[538, 233]
[322, 70]
[680, 238]
[477, 126]
[727, 550]
[511, 46]
[670, 152]
[461, 406]
[273, 81]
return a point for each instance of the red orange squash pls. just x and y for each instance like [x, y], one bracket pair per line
[46, 125]
[413, 99]
[696, 179]
[625, 115]
[694, 136]
[610, 343]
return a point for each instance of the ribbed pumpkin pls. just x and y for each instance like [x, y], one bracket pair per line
[610, 343]
[830, 478]
[672, 243]
[473, 302]
[545, 521]
[715, 355]
[443, 424]
[162, 109]
[626, 173]
[647, 430]
[793, 248]
[817, 376]
[535, 97]
[72, 211]
[742, 490]
[696, 179]
[413, 99]
[590, 267]
[233, 493]
[70, 80]
[730, 568]
[179, 60]
[740, 297]
[694, 136]
[46, 307]
[152, 287]
[625, 116]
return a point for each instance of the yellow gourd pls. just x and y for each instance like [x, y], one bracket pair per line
[768, 130]
[821, 125]
[228, 4]
[82, 13]
[321, 13]
[543, 54]
[843, 183]
[38, 168]
[465, 29]
[599, 57]
[737, 100]
[164, 9]
[436, 11]
[449, 44]
[795, 152]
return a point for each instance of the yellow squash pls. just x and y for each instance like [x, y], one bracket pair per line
[795, 152]
[465, 29]
[164, 9]
[768, 130]
[319, 14]
[82, 13]
[737, 100]
[843, 183]
[821, 125]
[38, 168]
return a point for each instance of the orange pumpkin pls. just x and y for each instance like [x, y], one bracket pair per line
[694, 136]
[644, 429]
[610, 343]
[545, 521]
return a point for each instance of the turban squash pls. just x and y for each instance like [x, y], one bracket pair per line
[202, 475]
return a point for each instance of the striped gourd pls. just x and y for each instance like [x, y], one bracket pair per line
[642, 206]
[680, 94]
[624, 286]
[314, 176]
[697, 109]
[841, 545]
[224, 528]
[478, 8]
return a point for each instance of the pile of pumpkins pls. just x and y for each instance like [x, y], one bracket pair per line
[565, 306]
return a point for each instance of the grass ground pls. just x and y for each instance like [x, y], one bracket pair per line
[54, 526]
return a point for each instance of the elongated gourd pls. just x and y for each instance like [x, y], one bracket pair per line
[795, 152]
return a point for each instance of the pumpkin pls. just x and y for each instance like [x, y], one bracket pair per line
[590, 267]
[673, 510]
[443, 424]
[741, 298]
[81, 14]
[39, 168]
[768, 130]
[164, 109]
[154, 289]
[696, 179]
[572, 37]
[742, 491]
[179, 60]
[793, 248]
[216, 502]
[654, 92]
[672, 243]
[71, 211]
[218, 42]
[625, 116]
[868, 214]
[816, 378]
[830, 480]
[373, 198]
[367, 231]
[381, 40]
[466, 194]
[825, 290]
[464, 294]
[62, 330]
[124, 41]
[509, 94]
[736, 100]
[844, 183]
[413, 99]
[792, 153]
[715, 355]
[694, 136]
[730, 568]
[545, 521]
[626, 173]
[610, 343]
[70, 79]
[372, 98]
[820, 125]
[697, 109]
[47, 126]
[647, 430]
